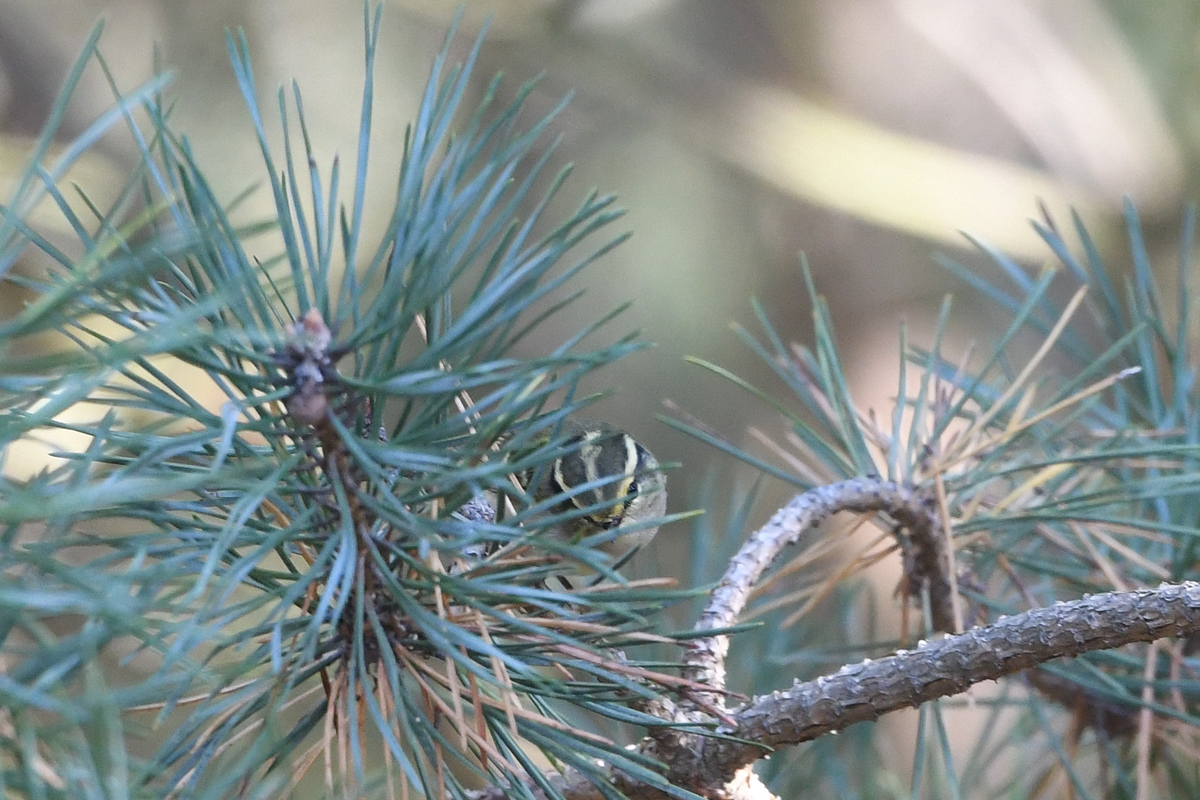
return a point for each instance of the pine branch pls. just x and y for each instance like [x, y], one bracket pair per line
[952, 665]
[297, 566]
[715, 766]
[911, 511]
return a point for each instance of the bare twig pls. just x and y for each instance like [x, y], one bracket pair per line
[705, 659]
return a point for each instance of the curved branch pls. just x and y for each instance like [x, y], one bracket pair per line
[705, 659]
[939, 669]
[715, 767]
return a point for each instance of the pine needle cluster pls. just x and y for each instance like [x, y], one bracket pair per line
[246, 596]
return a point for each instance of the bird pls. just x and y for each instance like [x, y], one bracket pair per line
[604, 481]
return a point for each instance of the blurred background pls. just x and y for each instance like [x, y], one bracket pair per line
[865, 134]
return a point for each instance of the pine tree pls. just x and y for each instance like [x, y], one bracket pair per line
[287, 589]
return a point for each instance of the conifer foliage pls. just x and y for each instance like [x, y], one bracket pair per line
[333, 581]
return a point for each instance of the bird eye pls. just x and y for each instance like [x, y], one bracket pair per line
[633, 487]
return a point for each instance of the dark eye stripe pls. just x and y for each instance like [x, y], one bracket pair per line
[643, 456]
